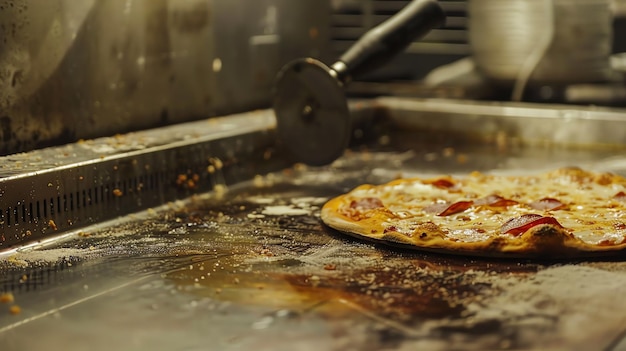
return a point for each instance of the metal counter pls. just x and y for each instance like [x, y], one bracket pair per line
[250, 266]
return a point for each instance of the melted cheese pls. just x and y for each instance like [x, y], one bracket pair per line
[591, 213]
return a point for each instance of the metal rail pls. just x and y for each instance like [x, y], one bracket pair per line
[48, 191]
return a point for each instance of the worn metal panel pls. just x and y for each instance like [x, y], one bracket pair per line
[84, 69]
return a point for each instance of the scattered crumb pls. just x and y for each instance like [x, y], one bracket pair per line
[220, 189]
[384, 140]
[501, 141]
[255, 216]
[15, 310]
[216, 162]
[258, 181]
[330, 267]
[52, 225]
[6, 298]
[266, 252]
[300, 167]
[283, 210]
[461, 158]
[181, 179]
[117, 192]
[431, 156]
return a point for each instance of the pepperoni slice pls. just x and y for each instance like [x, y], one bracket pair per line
[621, 196]
[519, 225]
[547, 204]
[391, 228]
[441, 183]
[495, 201]
[446, 209]
[366, 203]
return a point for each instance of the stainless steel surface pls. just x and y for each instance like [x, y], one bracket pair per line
[73, 70]
[179, 238]
[512, 123]
[50, 191]
[253, 268]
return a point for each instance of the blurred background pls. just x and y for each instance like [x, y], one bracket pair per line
[72, 70]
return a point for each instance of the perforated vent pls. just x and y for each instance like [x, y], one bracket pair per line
[70, 187]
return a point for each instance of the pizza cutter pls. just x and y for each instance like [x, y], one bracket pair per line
[313, 120]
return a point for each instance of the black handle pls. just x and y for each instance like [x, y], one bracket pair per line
[384, 41]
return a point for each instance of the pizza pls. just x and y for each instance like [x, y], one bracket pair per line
[564, 213]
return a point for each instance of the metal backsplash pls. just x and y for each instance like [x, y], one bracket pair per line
[352, 18]
[74, 70]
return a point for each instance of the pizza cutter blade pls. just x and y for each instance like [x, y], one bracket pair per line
[313, 120]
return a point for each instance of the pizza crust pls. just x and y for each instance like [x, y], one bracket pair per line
[545, 241]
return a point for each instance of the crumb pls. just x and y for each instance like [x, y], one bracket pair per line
[52, 225]
[258, 181]
[501, 141]
[6, 298]
[216, 162]
[117, 192]
[15, 310]
[300, 167]
[384, 140]
[461, 158]
[181, 179]
[330, 267]
[431, 156]
[266, 252]
[219, 189]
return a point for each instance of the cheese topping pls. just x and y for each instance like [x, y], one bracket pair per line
[591, 207]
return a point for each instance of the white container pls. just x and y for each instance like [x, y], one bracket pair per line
[543, 41]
